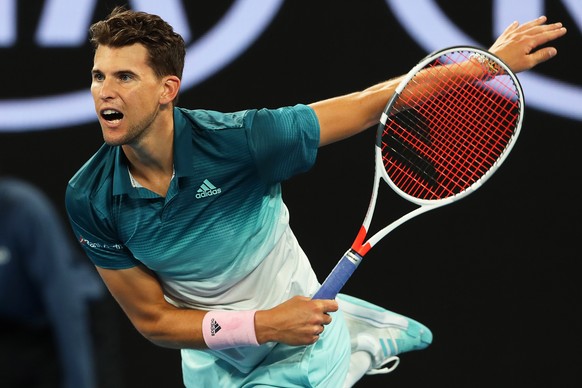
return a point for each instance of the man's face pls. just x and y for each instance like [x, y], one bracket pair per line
[126, 93]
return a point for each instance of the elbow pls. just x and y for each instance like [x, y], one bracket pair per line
[152, 330]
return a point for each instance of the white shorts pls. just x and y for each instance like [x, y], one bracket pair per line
[323, 364]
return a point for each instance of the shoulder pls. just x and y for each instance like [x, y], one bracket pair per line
[96, 170]
[94, 178]
[210, 120]
[289, 116]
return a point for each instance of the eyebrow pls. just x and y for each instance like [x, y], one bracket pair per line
[116, 73]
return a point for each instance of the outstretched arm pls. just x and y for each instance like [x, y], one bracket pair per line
[517, 46]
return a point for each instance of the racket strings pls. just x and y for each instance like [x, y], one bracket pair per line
[441, 141]
[468, 143]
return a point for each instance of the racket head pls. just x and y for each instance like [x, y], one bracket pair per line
[438, 144]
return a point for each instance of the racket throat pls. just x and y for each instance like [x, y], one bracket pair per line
[359, 247]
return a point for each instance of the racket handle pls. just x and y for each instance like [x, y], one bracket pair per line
[339, 275]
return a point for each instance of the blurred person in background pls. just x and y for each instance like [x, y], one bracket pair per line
[48, 296]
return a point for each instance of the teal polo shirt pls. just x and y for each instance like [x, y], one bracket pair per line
[220, 216]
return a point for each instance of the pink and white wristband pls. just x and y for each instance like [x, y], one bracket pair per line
[228, 329]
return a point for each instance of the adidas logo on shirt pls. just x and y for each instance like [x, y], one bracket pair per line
[214, 327]
[207, 189]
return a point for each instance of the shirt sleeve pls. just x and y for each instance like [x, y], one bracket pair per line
[284, 141]
[93, 229]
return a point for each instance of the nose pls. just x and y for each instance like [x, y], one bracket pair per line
[106, 89]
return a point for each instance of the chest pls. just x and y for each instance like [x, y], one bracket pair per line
[201, 226]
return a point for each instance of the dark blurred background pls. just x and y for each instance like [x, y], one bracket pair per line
[494, 276]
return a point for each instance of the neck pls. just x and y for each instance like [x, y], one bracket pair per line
[151, 160]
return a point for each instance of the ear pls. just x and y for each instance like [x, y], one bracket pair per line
[171, 87]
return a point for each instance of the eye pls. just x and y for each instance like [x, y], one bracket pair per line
[125, 77]
[98, 77]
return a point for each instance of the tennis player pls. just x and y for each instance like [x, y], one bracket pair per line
[181, 212]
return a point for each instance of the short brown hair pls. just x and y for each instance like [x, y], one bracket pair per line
[125, 27]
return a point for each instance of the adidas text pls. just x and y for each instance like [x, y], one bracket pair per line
[208, 193]
[207, 189]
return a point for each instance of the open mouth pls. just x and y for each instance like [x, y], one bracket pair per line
[111, 115]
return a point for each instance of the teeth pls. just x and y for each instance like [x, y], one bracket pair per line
[112, 115]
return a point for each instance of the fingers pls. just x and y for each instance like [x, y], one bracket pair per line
[329, 305]
[543, 55]
[325, 307]
[515, 27]
[538, 29]
[532, 23]
[324, 318]
[547, 33]
[540, 35]
[543, 33]
[537, 34]
[319, 330]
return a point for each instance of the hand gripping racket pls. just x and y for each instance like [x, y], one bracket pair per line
[450, 124]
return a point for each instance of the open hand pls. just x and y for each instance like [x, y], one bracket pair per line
[518, 45]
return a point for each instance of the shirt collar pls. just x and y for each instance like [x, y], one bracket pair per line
[121, 181]
[182, 145]
[182, 157]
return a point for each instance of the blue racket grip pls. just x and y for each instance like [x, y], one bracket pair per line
[339, 275]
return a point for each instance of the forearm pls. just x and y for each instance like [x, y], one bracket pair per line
[169, 326]
[348, 115]
[140, 295]
[298, 321]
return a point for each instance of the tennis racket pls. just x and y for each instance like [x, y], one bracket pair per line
[449, 126]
